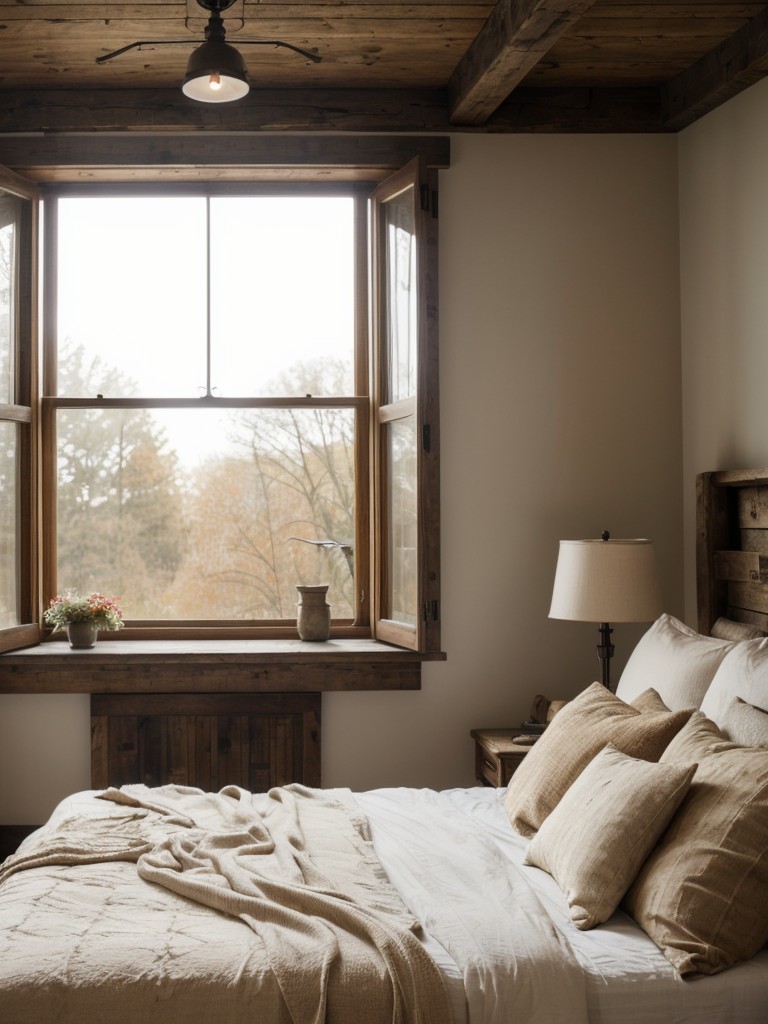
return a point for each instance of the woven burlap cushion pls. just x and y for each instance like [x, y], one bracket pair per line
[576, 734]
[703, 892]
[596, 839]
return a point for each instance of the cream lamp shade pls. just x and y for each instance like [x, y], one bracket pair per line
[606, 581]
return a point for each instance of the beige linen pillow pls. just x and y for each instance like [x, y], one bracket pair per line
[649, 700]
[727, 629]
[676, 661]
[596, 839]
[743, 724]
[702, 893]
[574, 736]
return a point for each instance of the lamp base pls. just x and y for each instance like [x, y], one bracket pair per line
[605, 650]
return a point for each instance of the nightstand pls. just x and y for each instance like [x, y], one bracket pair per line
[496, 756]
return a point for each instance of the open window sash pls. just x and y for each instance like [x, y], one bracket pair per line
[19, 204]
[405, 394]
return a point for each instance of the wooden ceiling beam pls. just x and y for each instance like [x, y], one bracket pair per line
[53, 113]
[517, 34]
[719, 75]
[263, 110]
[182, 157]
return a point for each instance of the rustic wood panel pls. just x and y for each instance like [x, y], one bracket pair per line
[741, 566]
[753, 508]
[755, 540]
[748, 596]
[696, 54]
[732, 547]
[752, 618]
[205, 740]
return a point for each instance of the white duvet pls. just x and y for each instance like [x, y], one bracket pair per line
[428, 840]
[498, 930]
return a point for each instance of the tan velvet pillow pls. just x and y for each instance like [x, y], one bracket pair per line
[596, 839]
[703, 892]
[574, 736]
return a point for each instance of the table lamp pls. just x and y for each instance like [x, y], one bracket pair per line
[606, 581]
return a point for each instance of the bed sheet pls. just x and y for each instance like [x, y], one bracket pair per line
[627, 979]
[459, 868]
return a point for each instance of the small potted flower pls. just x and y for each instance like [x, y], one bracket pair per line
[83, 617]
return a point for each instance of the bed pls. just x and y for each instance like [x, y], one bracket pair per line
[468, 906]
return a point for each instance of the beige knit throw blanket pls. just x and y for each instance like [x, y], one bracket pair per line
[297, 866]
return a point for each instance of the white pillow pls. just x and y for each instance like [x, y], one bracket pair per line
[744, 674]
[676, 661]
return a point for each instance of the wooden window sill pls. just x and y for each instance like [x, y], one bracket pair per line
[212, 666]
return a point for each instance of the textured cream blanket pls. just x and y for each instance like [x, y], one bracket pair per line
[297, 866]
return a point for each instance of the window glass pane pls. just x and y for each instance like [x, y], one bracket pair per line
[133, 301]
[399, 300]
[207, 514]
[282, 294]
[402, 521]
[10, 208]
[132, 295]
[9, 536]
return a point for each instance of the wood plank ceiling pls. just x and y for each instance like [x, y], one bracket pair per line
[427, 66]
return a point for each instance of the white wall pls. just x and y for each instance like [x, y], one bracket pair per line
[724, 298]
[560, 405]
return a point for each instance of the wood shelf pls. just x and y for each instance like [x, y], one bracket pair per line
[214, 666]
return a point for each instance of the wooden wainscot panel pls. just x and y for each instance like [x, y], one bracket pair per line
[206, 740]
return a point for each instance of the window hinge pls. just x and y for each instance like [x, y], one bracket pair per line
[424, 196]
[426, 438]
[431, 611]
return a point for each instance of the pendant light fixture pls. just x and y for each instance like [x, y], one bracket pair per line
[216, 71]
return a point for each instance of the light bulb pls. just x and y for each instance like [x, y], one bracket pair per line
[214, 82]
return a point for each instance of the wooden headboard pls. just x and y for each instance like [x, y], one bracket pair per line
[732, 547]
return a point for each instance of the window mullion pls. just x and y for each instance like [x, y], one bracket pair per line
[208, 389]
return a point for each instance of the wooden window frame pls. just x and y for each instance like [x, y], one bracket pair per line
[40, 551]
[24, 412]
[423, 406]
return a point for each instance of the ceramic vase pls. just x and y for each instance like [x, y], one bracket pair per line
[82, 635]
[313, 619]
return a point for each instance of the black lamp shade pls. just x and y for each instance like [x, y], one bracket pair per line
[215, 74]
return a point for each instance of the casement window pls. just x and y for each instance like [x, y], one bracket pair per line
[239, 395]
[18, 561]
